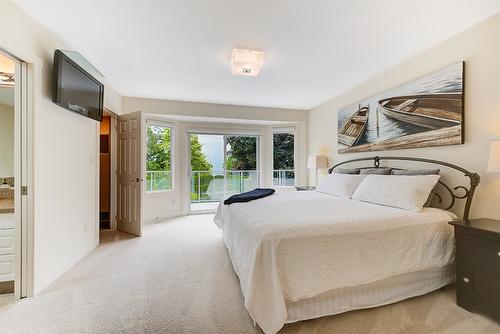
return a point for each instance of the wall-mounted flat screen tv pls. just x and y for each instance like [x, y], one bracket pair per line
[75, 89]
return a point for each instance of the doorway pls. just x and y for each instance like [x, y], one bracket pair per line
[221, 165]
[107, 169]
[14, 260]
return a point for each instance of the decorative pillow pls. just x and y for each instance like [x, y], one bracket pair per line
[342, 185]
[377, 171]
[419, 172]
[408, 192]
[346, 170]
[415, 172]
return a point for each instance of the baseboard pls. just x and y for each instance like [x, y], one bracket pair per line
[160, 219]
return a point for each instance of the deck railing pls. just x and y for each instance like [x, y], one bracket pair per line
[158, 180]
[208, 186]
[283, 177]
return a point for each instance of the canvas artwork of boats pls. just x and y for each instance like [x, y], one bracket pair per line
[434, 111]
[423, 113]
[354, 127]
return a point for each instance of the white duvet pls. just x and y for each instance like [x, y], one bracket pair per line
[296, 245]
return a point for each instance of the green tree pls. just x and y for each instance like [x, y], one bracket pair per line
[198, 158]
[158, 148]
[158, 151]
[158, 158]
[199, 163]
[241, 153]
[283, 150]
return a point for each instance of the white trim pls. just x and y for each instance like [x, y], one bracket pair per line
[114, 173]
[162, 219]
[28, 275]
[224, 131]
[283, 129]
[19, 177]
[165, 124]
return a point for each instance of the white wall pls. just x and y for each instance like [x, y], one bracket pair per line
[6, 141]
[479, 48]
[112, 100]
[64, 147]
[173, 203]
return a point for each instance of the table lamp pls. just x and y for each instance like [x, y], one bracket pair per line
[494, 158]
[317, 162]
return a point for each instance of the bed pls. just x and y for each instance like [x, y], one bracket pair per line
[302, 255]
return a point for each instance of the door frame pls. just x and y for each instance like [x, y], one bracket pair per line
[220, 132]
[23, 173]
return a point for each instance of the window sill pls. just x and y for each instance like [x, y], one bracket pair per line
[157, 192]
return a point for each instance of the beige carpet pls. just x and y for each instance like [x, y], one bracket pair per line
[178, 279]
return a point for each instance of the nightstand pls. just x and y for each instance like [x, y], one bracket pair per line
[305, 188]
[478, 265]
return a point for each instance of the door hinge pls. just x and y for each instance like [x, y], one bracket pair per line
[24, 190]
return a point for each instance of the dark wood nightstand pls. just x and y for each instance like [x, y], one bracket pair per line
[478, 265]
[305, 188]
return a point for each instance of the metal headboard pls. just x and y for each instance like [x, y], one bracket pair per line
[468, 191]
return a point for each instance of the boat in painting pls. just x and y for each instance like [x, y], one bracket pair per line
[434, 111]
[354, 127]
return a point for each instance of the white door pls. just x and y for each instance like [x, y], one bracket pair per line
[129, 213]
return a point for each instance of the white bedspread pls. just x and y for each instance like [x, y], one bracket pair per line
[296, 245]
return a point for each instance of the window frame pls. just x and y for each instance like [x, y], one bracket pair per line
[290, 130]
[171, 126]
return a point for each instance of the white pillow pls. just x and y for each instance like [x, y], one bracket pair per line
[409, 192]
[342, 185]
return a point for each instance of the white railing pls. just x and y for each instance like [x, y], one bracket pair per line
[212, 186]
[158, 180]
[283, 177]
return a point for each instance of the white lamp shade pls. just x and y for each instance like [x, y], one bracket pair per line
[494, 159]
[317, 162]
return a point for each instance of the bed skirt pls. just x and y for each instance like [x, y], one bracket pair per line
[387, 291]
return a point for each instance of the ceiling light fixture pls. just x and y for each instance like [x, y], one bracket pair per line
[6, 79]
[246, 62]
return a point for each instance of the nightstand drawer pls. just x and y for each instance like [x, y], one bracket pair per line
[481, 249]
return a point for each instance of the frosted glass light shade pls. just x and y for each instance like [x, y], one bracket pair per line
[494, 159]
[317, 162]
[246, 62]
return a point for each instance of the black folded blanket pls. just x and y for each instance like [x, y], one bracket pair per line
[249, 196]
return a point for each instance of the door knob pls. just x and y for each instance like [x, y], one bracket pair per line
[136, 180]
[466, 280]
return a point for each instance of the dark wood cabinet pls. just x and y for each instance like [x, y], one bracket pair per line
[478, 265]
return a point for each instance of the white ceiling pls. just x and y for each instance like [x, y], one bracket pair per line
[314, 50]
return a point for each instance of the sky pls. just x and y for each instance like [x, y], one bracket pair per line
[213, 148]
